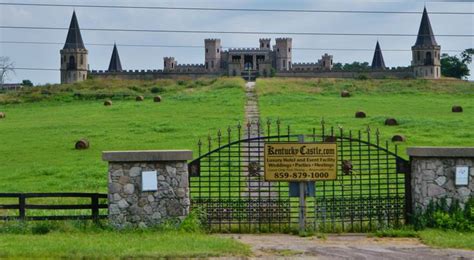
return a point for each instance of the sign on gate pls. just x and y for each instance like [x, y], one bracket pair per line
[300, 161]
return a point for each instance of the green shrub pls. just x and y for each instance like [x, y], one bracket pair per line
[441, 215]
[156, 90]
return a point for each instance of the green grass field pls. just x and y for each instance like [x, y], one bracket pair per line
[40, 130]
[421, 107]
[114, 245]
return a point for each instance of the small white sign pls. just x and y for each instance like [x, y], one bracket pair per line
[149, 181]
[462, 175]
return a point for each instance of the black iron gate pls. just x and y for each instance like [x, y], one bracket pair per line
[227, 185]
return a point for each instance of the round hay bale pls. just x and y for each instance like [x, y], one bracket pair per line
[345, 93]
[330, 139]
[398, 138]
[2, 115]
[157, 99]
[82, 144]
[139, 98]
[108, 103]
[360, 114]
[391, 121]
[456, 109]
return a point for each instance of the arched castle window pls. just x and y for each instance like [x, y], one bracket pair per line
[72, 63]
[289, 49]
[207, 50]
[82, 59]
[172, 65]
[212, 64]
[418, 56]
[268, 45]
[261, 45]
[217, 50]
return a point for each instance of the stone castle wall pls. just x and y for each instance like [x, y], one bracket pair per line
[186, 71]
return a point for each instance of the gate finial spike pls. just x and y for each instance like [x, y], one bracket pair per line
[239, 125]
[249, 124]
[219, 133]
[368, 128]
[229, 129]
[278, 121]
[322, 121]
[377, 132]
[269, 122]
[199, 142]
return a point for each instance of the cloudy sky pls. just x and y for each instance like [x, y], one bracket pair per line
[47, 56]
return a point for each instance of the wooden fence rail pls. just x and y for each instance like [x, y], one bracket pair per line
[22, 206]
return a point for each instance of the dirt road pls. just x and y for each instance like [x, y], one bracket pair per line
[278, 246]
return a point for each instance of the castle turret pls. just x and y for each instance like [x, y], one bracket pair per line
[426, 52]
[213, 51]
[283, 53]
[169, 64]
[115, 64]
[377, 61]
[74, 64]
[265, 44]
[326, 62]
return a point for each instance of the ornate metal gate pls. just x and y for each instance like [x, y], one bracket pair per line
[227, 184]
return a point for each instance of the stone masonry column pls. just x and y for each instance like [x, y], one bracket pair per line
[433, 171]
[166, 196]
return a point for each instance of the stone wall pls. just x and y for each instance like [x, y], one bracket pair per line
[129, 205]
[433, 174]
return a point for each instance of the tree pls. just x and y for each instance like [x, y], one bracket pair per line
[6, 67]
[355, 66]
[466, 56]
[452, 66]
[27, 83]
[337, 66]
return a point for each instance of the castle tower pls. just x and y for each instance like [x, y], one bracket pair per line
[377, 61]
[73, 55]
[326, 61]
[169, 64]
[115, 64]
[213, 51]
[426, 52]
[283, 53]
[265, 44]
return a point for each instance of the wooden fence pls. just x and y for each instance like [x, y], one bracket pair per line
[23, 205]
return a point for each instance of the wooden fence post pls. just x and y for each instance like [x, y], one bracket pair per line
[21, 204]
[95, 207]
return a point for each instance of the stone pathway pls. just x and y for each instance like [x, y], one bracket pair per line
[253, 150]
[280, 246]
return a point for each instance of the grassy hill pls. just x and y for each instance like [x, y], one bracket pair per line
[421, 107]
[42, 124]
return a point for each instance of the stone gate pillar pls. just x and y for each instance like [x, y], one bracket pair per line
[147, 187]
[433, 174]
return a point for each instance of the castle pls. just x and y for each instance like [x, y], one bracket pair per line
[266, 60]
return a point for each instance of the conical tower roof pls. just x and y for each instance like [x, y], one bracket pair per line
[425, 33]
[74, 38]
[115, 64]
[377, 61]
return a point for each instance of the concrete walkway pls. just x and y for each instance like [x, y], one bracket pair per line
[280, 246]
[252, 152]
